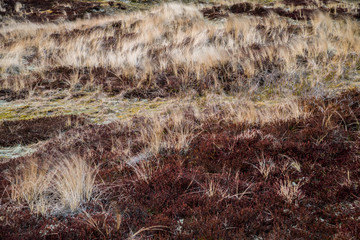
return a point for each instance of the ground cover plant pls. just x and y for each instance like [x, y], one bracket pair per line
[179, 120]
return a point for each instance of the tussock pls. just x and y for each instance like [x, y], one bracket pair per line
[53, 188]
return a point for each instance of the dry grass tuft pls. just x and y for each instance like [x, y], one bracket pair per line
[53, 188]
[265, 166]
[290, 191]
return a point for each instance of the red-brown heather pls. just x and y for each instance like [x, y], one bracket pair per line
[218, 187]
[143, 120]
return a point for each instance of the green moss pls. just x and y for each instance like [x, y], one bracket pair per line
[4, 115]
[97, 110]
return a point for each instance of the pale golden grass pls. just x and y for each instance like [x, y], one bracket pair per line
[144, 170]
[177, 124]
[265, 166]
[213, 188]
[290, 164]
[172, 130]
[100, 225]
[63, 186]
[50, 188]
[290, 191]
[146, 229]
[177, 38]
[171, 125]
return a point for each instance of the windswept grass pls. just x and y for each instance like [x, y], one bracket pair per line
[175, 47]
[208, 120]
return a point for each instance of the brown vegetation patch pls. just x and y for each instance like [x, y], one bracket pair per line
[293, 179]
[303, 2]
[310, 8]
[61, 78]
[11, 95]
[158, 85]
[256, 10]
[214, 12]
[34, 130]
[50, 10]
[241, 7]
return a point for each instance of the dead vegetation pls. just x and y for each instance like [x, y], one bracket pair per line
[229, 177]
[233, 123]
[52, 187]
[174, 47]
